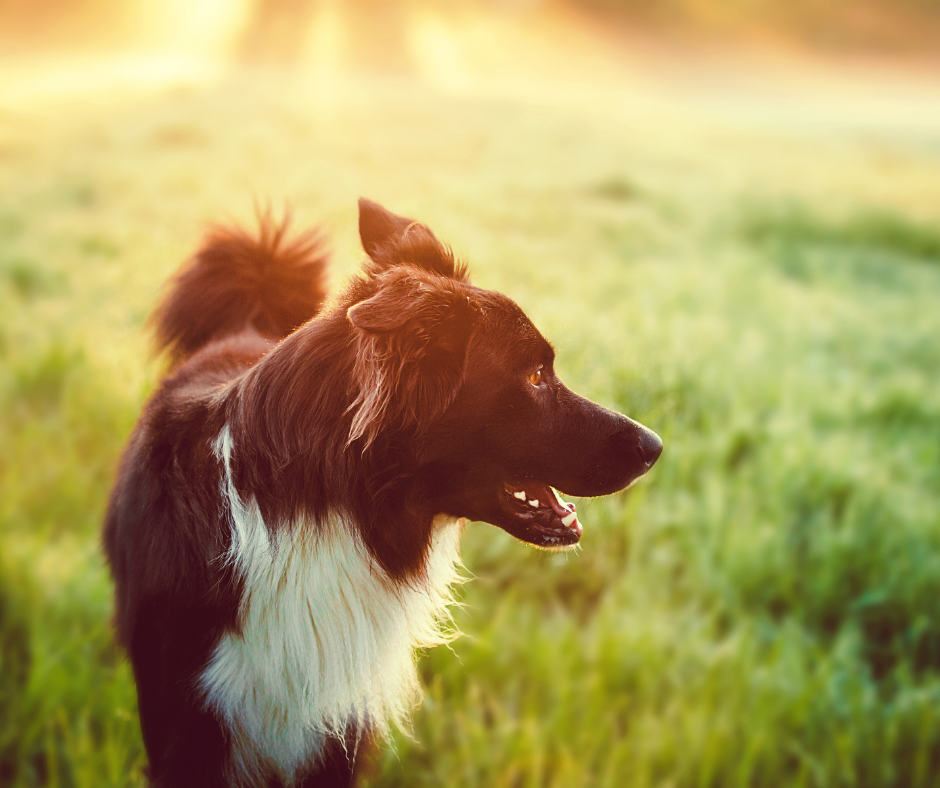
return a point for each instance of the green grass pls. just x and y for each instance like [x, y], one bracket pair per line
[763, 610]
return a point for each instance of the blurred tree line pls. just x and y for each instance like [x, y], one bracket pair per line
[896, 25]
[275, 30]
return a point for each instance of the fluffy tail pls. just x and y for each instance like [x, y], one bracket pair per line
[237, 280]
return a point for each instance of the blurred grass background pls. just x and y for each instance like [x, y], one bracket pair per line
[737, 245]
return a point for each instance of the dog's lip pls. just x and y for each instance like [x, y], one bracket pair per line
[541, 516]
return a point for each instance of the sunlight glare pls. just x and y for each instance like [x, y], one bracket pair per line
[437, 51]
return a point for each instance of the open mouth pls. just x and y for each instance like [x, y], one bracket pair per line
[540, 516]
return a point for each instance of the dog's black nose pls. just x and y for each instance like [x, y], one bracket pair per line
[651, 446]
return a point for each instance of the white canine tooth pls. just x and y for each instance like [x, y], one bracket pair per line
[558, 497]
[568, 519]
[520, 495]
[534, 503]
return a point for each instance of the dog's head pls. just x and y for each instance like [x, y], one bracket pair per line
[463, 371]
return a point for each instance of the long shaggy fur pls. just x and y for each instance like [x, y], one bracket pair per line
[238, 279]
[327, 640]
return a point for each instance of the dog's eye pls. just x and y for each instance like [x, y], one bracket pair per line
[536, 378]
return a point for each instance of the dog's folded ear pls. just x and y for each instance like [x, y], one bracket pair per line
[392, 240]
[412, 337]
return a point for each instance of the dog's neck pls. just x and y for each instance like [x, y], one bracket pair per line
[289, 418]
[326, 639]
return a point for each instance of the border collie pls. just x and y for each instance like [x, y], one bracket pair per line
[284, 528]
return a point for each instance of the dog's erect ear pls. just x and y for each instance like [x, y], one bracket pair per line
[379, 227]
[412, 340]
[391, 240]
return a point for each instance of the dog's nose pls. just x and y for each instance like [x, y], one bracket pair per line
[651, 446]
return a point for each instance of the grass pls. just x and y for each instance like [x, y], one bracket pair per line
[763, 610]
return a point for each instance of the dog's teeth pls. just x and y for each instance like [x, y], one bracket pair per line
[534, 503]
[568, 519]
[520, 495]
[561, 501]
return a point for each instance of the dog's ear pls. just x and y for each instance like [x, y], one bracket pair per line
[412, 338]
[391, 240]
[379, 227]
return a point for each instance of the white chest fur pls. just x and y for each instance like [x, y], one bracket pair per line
[327, 639]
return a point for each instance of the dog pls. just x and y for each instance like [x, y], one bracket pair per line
[284, 528]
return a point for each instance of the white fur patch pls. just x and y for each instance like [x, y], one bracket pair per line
[327, 638]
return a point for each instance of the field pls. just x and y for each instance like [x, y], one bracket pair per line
[760, 286]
